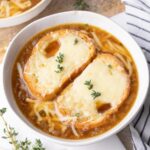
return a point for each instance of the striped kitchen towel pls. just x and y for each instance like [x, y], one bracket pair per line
[138, 25]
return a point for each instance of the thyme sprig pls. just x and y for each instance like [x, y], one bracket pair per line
[2, 111]
[59, 68]
[110, 69]
[110, 66]
[76, 41]
[77, 114]
[80, 5]
[89, 84]
[11, 135]
[60, 58]
[95, 94]
[38, 145]
[9, 132]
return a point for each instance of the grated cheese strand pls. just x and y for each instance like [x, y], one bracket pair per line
[22, 78]
[60, 116]
[73, 127]
[96, 39]
[126, 63]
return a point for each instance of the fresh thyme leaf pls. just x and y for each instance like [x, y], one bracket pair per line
[59, 68]
[95, 94]
[11, 135]
[110, 66]
[110, 69]
[60, 58]
[81, 5]
[2, 111]
[25, 145]
[76, 41]
[77, 114]
[89, 84]
[4, 137]
[38, 145]
[12, 131]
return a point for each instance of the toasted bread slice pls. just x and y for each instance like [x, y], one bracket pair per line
[57, 58]
[96, 93]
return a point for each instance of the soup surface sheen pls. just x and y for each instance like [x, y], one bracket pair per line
[54, 115]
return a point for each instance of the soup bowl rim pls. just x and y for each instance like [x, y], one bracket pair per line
[141, 66]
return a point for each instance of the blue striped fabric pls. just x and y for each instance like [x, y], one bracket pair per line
[138, 25]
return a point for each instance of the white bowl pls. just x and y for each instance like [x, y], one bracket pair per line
[77, 17]
[25, 16]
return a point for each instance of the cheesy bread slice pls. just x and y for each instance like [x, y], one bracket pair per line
[56, 59]
[95, 94]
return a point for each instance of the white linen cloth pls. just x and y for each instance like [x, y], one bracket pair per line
[137, 13]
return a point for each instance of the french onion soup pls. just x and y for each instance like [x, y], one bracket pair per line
[74, 81]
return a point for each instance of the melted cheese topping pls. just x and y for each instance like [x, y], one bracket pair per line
[76, 107]
[112, 82]
[43, 70]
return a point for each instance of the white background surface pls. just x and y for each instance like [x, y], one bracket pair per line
[112, 143]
